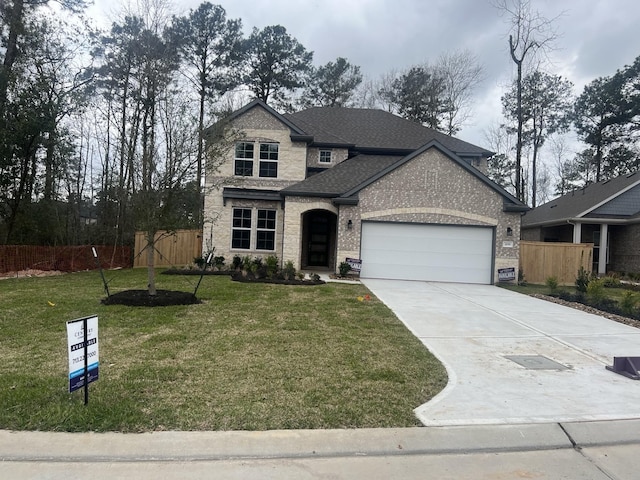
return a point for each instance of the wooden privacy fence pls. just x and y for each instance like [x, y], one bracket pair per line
[175, 248]
[541, 260]
[15, 258]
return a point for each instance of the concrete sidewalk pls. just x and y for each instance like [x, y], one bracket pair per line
[597, 450]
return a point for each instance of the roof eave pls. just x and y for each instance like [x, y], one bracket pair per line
[351, 201]
[511, 207]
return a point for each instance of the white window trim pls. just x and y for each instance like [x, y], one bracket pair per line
[276, 161]
[245, 229]
[320, 156]
[252, 159]
[274, 229]
[253, 231]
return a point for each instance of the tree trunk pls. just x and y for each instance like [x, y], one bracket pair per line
[519, 190]
[12, 51]
[151, 271]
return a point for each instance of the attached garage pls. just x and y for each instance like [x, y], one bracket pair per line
[439, 253]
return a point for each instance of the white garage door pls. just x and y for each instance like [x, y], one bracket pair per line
[440, 253]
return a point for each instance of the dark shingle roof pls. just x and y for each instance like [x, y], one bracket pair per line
[374, 129]
[346, 179]
[587, 202]
[342, 178]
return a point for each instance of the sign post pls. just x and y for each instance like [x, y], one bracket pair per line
[104, 281]
[82, 337]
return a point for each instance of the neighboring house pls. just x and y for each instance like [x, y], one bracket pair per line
[326, 184]
[606, 214]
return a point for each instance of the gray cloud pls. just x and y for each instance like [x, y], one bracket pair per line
[596, 36]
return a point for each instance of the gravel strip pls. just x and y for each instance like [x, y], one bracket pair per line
[586, 308]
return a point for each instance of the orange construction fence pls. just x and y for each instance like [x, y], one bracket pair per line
[15, 258]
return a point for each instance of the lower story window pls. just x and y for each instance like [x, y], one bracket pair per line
[243, 230]
[266, 231]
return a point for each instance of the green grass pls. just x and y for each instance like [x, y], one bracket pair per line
[250, 357]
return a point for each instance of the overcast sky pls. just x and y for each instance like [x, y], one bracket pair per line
[596, 37]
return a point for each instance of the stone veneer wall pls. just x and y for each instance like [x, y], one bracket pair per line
[338, 155]
[431, 188]
[260, 126]
[295, 207]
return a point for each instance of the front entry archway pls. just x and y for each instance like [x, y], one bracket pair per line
[318, 239]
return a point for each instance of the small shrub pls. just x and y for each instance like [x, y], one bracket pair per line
[315, 277]
[521, 279]
[595, 291]
[289, 271]
[582, 280]
[236, 262]
[200, 262]
[344, 268]
[271, 265]
[611, 281]
[628, 302]
[246, 263]
[300, 275]
[218, 262]
[552, 284]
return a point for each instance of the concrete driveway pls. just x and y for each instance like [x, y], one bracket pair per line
[481, 332]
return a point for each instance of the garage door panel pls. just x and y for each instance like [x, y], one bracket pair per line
[427, 252]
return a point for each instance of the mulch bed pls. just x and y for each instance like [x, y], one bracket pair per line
[141, 298]
[239, 277]
[192, 271]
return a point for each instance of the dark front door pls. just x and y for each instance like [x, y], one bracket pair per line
[319, 239]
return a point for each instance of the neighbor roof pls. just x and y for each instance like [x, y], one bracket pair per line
[615, 198]
[374, 129]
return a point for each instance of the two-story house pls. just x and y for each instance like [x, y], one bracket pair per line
[325, 184]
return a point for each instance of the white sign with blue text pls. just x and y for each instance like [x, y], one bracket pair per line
[76, 342]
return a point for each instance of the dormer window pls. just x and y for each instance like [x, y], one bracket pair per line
[325, 156]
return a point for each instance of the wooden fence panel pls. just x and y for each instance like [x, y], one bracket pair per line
[541, 260]
[172, 249]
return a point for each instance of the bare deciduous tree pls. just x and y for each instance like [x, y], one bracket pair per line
[461, 73]
[530, 34]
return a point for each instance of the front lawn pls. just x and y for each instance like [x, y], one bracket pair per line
[250, 357]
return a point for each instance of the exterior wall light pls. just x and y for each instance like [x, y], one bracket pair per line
[349, 225]
[509, 232]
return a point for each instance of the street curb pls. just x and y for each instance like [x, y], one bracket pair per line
[202, 446]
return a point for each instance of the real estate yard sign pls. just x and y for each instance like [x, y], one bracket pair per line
[82, 335]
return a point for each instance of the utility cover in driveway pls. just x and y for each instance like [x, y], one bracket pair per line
[536, 362]
[437, 253]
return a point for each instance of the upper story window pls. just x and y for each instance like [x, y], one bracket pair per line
[244, 159]
[325, 156]
[268, 160]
